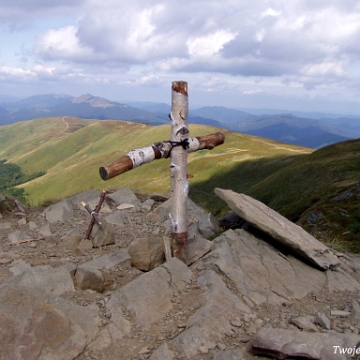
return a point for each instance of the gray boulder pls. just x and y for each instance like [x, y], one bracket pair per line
[89, 279]
[36, 325]
[102, 235]
[149, 296]
[123, 195]
[119, 257]
[62, 212]
[147, 252]
[206, 223]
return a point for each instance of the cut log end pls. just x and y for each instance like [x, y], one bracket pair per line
[180, 87]
[103, 173]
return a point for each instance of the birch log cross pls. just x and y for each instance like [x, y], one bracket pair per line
[177, 149]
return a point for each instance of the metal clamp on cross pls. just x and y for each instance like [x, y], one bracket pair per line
[94, 213]
[177, 148]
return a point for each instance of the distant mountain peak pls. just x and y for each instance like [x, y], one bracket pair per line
[94, 101]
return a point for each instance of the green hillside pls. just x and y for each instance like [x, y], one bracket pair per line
[71, 150]
[321, 192]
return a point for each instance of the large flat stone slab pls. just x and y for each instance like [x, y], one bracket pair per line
[280, 228]
[282, 344]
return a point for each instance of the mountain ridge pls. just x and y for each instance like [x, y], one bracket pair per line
[95, 107]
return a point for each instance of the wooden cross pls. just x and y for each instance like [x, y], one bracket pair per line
[177, 148]
[94, 213]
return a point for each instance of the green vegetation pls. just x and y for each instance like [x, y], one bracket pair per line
[11, 176]
[297, 182]
[71, 151]
[326, 183]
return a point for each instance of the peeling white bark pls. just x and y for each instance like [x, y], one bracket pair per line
[141, 156]
[178, 168]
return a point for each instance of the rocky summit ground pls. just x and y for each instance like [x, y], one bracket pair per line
[241, 296]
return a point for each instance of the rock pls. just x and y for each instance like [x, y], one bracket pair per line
[203, 349]
[147, 205]
[236, 322]
[278, 227]
[70, 268]
[22, 221]
[32, 225]
[119, 257]
[19, 267]
[45, 231]
[5, 225]
[123, 195]
[18, 235]
[304, 323]
[117, 218]
[147, 252]
[248, 261]
[196, 248]
[102, 235]
[101, 342]
[339, 280]
[340, 313]
[49, 280]
[125, 206]
[355, 310]
[91, 198]
[149, 296]
[162, 353]
[207, 223]
[323, 321]
[62, 212]
[160, 213]
[4, 260]
[233, 354]
[211, 321]
[180, 274]
[35, 325]
[290, 343]
[88, 278]
[85, 244]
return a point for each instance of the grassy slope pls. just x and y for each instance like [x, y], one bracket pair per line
[72, 156]
[309, 185]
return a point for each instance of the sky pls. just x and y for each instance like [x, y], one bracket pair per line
[283, 54]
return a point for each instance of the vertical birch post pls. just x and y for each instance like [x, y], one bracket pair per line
[178, 168]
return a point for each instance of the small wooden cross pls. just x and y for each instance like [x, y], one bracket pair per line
[94, 213]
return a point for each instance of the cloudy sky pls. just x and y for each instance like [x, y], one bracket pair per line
[288, 54]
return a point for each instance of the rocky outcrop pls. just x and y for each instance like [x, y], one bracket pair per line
[242, 296]
[279, 228]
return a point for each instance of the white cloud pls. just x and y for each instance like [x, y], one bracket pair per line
[252, 92]
[299, 43]
[61, 44]
[209, 45]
